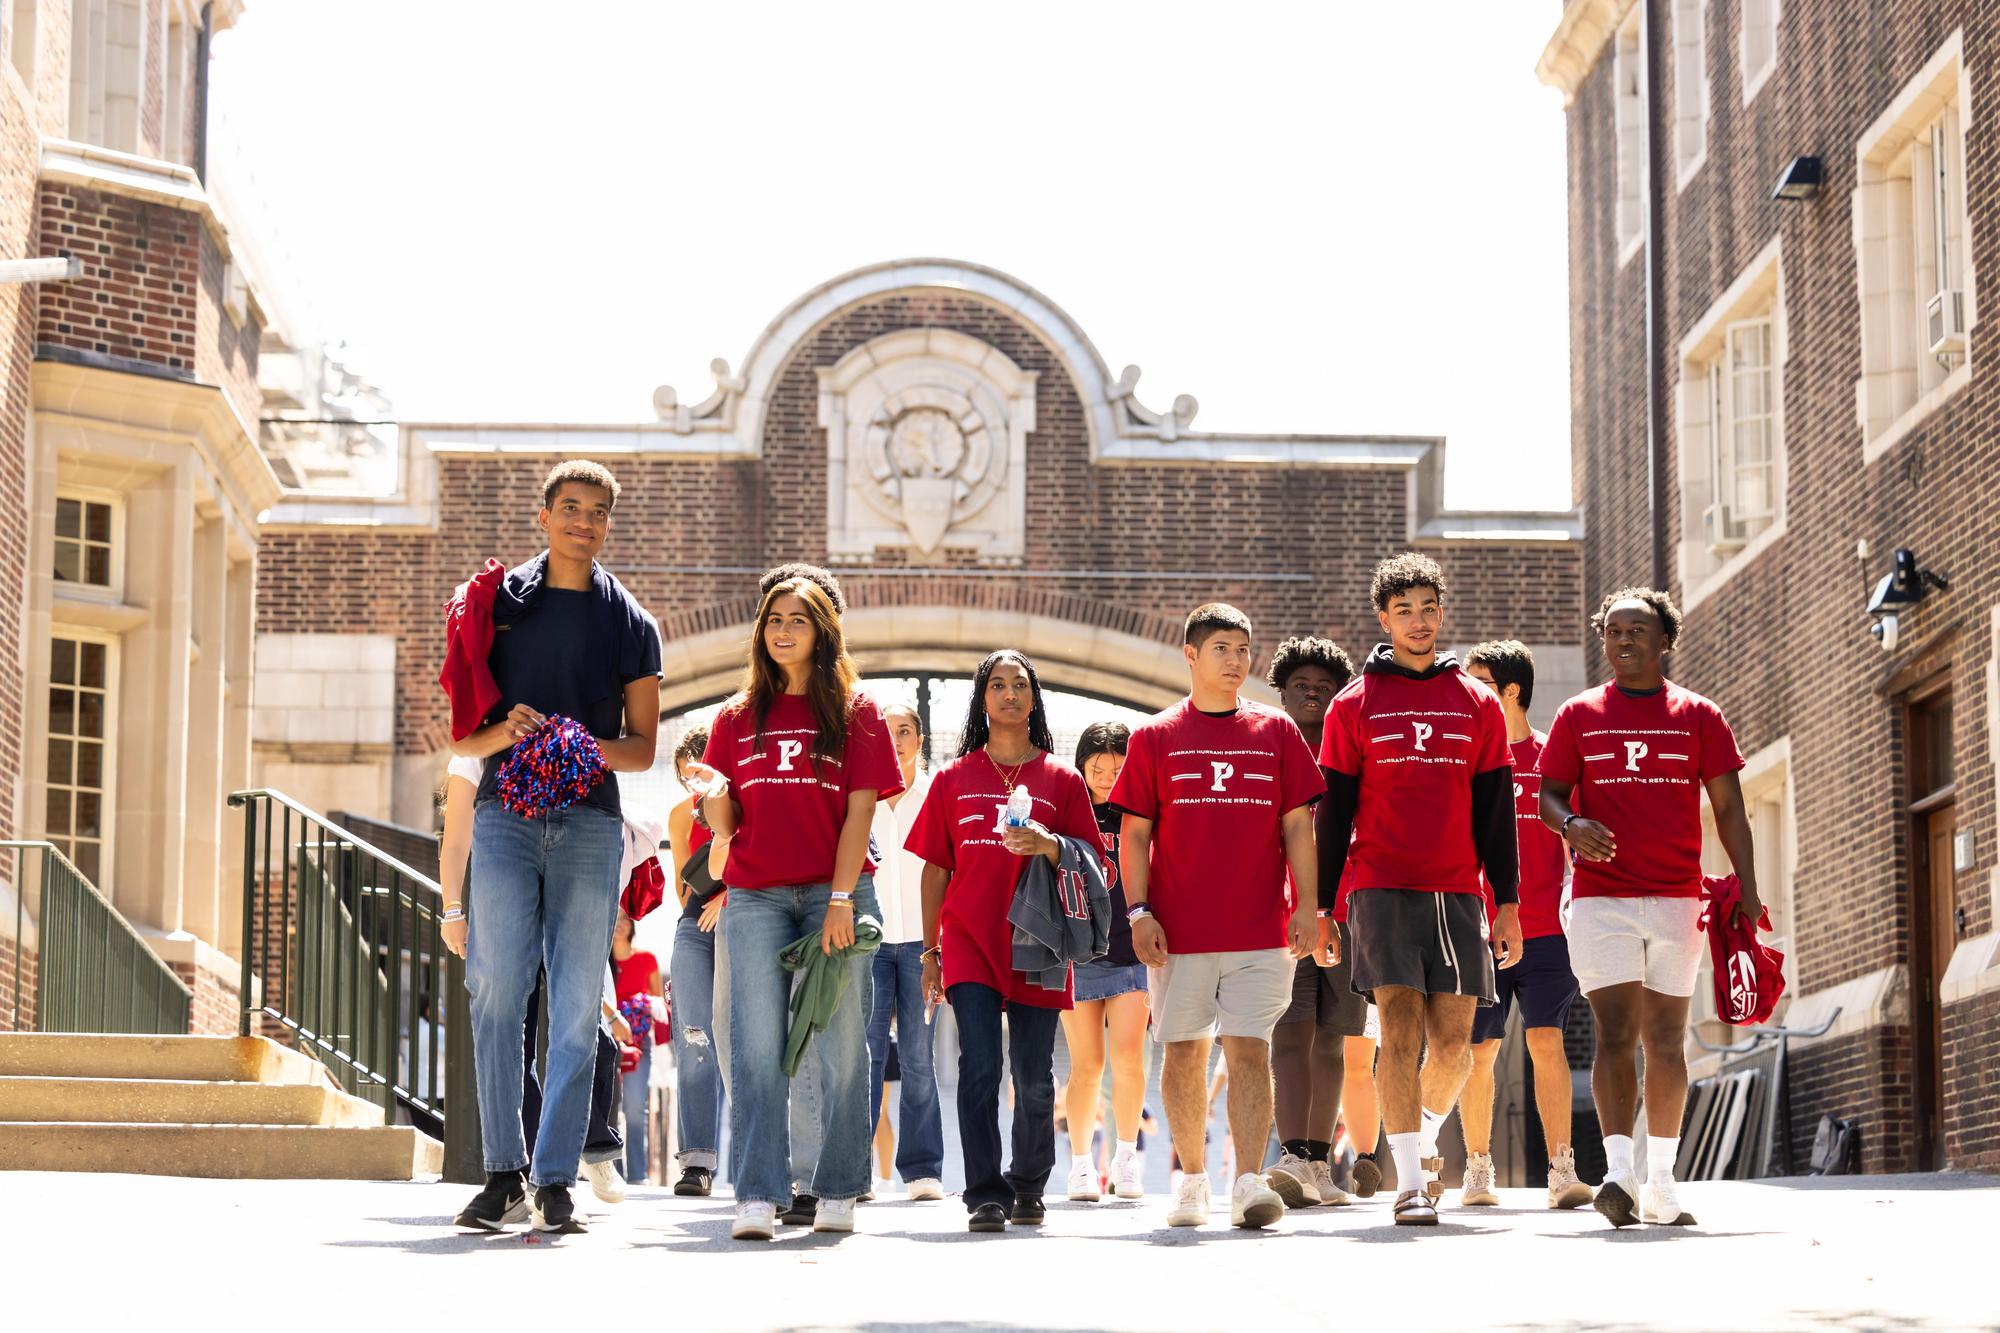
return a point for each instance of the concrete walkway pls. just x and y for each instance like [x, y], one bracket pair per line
[1882, 1252]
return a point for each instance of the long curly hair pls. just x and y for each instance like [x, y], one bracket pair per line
[973, 735]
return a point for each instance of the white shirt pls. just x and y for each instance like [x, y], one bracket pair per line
[464, 766]
[899, 880]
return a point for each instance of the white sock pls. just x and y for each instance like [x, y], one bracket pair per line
[1618, 1155]
[1079, 1161]
[1660, 1159]
[1407, 1152]
[1127, 1148]
[1433, 1122]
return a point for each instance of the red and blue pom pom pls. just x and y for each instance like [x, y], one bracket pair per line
[551, 770]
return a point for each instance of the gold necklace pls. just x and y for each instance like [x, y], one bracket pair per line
[1013, 779]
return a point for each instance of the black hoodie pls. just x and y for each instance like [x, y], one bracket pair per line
[1492, 805]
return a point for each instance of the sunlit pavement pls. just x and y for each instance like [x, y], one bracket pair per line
[1872, 1252]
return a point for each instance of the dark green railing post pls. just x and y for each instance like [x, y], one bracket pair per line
[243, 995]
[464, 1159]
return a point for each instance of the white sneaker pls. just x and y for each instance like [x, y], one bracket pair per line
[1565, 1190]
[1476, 1190]
[1125, 1182]
[1615, 1200]
[1253, 1203]
[1191, 1201]
[1330, 1192]
[606, 1182]
[1293, 1179]
[1083, 1187]
[755, 1220]
[1660, 1205]
[925, 1188]
[834, 1215]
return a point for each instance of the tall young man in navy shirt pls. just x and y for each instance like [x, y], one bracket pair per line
[568, 640]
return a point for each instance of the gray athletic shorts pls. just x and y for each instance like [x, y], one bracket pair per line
[1429, 942]
[1326, 994]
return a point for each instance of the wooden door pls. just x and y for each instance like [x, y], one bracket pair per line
[1933, 907]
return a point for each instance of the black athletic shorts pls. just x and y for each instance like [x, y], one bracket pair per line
[1430, 942]
[1543, 984]
[1326, 994]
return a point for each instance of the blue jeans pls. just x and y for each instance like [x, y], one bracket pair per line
[899, 992]
[636, 1098]
[546, 893]
[759, 923]
[1031, 1047]
[697, 1063]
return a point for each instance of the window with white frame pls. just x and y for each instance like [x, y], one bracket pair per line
[1760, 45]
[18, 35]
[107, 68]
[1690, 86]
[86, 541]
[1731, 418]
[176, 61]
[1628, 90]
[79, 736]
[1914, 264]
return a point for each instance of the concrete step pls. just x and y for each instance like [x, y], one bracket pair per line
[196, 1059]
[229, 1152]
[180, 1102]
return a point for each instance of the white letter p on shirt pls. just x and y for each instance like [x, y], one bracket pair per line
[1634, 752]
[788, 751]
[1423, 732]
[1222, 771]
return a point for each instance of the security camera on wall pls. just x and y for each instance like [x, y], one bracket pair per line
[1885, 630]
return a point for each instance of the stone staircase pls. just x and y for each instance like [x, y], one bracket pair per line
[238, 1108]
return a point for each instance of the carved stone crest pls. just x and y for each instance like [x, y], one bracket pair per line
[926, 444]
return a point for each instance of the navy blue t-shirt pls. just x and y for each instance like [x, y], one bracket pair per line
[574, 654]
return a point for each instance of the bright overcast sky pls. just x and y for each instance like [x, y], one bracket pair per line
[1337, 218]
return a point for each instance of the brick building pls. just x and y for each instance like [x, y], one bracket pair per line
[1811, 399]
[953, 444]
[130, 475]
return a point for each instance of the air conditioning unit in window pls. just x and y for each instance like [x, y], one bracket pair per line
[1944, 323]
[1721, 530]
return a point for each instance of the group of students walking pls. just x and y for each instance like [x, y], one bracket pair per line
[1226, 872]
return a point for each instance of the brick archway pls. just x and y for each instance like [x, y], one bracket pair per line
[915, 623]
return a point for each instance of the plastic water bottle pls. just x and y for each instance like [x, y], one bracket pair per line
[1018, 811]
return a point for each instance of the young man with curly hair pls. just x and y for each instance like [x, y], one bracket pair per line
[1543, 983]
[1420, 804]
[1622, 780]
[568, 640]
[1308, 1047]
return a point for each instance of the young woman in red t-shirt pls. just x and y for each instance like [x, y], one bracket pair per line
[789, 781]
[968, 942]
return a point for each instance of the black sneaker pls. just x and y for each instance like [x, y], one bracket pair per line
[554, 1212]
[801, 1211]
[987, 1217]
[1367, 1178]
[1029, 1211]
[502, 1201]
[695, 1180]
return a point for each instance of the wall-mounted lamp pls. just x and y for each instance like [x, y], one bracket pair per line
[1801, 179]
[1903, 587]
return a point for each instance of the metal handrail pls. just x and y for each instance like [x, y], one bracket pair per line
[93, 971]
[1757, 1033]
[345, 940]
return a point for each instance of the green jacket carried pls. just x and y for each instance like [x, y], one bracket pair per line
[821, 984]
